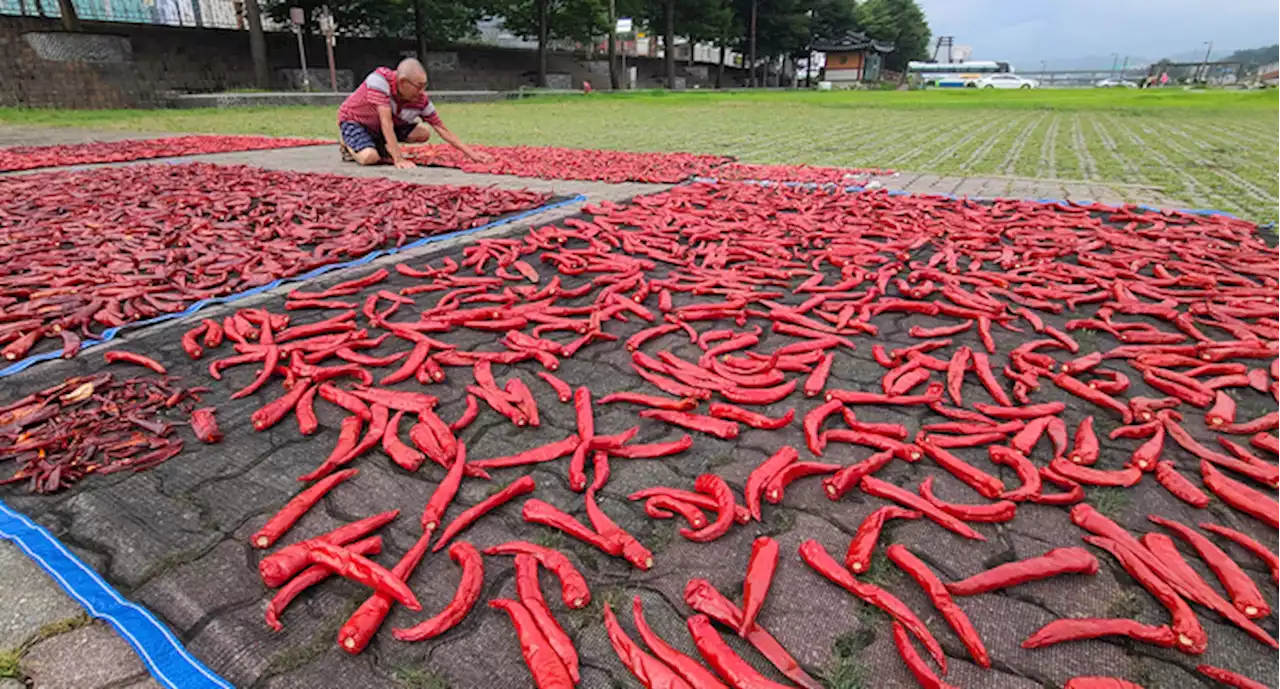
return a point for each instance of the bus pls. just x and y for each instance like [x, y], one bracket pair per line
[955, 74]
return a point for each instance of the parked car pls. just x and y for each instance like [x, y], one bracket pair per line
[1005, 81]
[1115, 83]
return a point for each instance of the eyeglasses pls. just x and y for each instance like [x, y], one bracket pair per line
[420, 85]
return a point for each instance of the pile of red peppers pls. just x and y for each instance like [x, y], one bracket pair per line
[804, 174]
[32, 157]
[100, 424]
[81, 252]
[773, 289]
[574, 163]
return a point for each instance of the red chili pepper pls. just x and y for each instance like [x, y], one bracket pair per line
[817, 380]
[1244, 541]
[714, 486]
[521, 486]
[1123, 478]
[1145, 408]
[759, 577]
[412, 402]
[996, 512]
[205, 426]
[561, 388]
[1244, 594]
[683, 404]
[1222, 412]
[1266, 441]
[444, 492]
[1027, 472]
[1081, 628]
[651, 672]
[882, 489]
[820, 561]
[310, 577]
[941, 599]
[1229, 678]
[729, 412]
[725, 430]
[469, 415]
[1148, 454]
[1191, 636]
[469, 588]
[1031, 411]
[651, 450]
[923, 674]
[1084, 450]
[573, 587]
[721, 657]
[404, 456]
[129, 358]
[1241, 497]
[272, 412]
[1053, 563]
[666, 507]
[362, 570]
[543, 453]
[298, 506]
[189, 344]
[773, 490]
[1098, 682]
[346, 400]
[858, 556]
[694, 674]
[985, 484]
[548, 671]
[1180, 486]
[529, 591]
[706, 502]
[762, 473]
[359, 629]
[845, 479]
[305, 413]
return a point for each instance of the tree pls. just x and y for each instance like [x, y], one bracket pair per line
[832, 18]
[900, 21]
[443, 21]
[547, 20]
[257, 45]
[70, 20]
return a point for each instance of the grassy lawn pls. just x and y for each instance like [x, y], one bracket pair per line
[1207, 149]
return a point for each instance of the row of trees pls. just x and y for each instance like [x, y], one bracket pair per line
[760, 29]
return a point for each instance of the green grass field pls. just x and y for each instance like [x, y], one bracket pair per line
[1206, 149]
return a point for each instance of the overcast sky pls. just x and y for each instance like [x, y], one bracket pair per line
[1027, 31]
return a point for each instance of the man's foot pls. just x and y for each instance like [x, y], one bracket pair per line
[347, 156]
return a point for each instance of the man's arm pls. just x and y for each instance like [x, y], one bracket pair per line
[389, 136]
[453, 140]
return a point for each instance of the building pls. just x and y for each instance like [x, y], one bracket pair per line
[852, 58]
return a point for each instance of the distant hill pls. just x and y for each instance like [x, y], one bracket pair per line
[1256, 56]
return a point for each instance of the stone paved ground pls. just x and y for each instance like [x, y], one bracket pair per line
[163, 535]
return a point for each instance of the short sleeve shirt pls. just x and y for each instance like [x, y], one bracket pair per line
[380, 89]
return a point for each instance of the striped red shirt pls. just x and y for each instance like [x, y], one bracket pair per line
[380, 89]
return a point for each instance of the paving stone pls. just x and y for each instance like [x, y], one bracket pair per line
[87, 658]
[29, 599]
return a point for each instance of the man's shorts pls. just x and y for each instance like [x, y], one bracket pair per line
[357, 137]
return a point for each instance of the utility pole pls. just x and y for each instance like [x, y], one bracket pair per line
[752, 66]
[1204, 66]
[614, 81]
[1115, 59]
[420, 29]
[70, 20]
[1124, 66]
[329, 28]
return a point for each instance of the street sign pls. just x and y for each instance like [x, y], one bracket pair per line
[624, 25]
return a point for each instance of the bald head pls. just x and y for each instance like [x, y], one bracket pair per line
[411, 68]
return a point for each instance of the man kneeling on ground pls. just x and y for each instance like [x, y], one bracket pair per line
[388, 108]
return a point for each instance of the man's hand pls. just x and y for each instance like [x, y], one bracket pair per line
[479, 156]
[405, 164]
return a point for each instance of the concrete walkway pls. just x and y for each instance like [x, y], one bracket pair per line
[47, 641]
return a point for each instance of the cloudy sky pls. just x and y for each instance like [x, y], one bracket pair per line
[1027, 31]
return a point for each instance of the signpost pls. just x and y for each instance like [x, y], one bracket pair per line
[329, 27]
[624, 27]
[297, 17]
